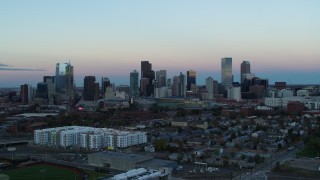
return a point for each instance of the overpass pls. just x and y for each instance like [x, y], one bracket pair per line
[9, 143]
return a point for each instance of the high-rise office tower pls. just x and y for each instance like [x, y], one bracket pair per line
[215, 88]
[147, 89]
[145, 67]
[175, 86]
[182, 79]
[64, 82]
[245, 69]
[144, 84]
[161, 78]
[26, 93]
[42, 90]
[226, 72]
[50, 81]
[209, 87]
[179, 86]
[105, 82]
[89, 91]
[191, 79]
[96, 91]
[134, 83]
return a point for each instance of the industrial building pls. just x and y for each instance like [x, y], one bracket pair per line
[142, 174]
[124, 161]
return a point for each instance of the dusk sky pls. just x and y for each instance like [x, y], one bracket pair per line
[109, 38]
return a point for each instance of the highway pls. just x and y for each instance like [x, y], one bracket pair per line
[261, 171]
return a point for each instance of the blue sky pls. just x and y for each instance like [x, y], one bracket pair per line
[110, 38]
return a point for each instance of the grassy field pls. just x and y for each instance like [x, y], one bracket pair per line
[42, 172]
[286, 172]
[308, 152]
[92, 175]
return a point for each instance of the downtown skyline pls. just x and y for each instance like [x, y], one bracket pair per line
[111, 38]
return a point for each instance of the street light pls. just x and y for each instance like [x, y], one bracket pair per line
[42, 171]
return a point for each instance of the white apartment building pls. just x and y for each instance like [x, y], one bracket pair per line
[312, 103]
[88, 137]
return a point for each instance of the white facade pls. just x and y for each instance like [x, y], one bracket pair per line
[311, 103]
[161, 92]
[273, 102]
[285, 93]
[110, 94]
[234, 93]
[88, 137]
[121, 94]
[302, 93]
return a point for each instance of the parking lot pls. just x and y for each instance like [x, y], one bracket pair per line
[305, 163]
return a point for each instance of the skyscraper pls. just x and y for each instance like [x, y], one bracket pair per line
[134, 83]
[64, 83]
[179, 86]
[105, 82]
[161, 78]
[42, 90]
[245, 69]
[191, 79]
[226, 72]
[50, 81]
[89, 91]
[175, 86]
[96, 91]
[209, 87]
[26, 93]
[146, 89]
[182, 86]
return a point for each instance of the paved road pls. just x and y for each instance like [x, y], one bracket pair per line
[260, 172]
[48, 158]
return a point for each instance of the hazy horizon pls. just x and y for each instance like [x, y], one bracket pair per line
[110, 38]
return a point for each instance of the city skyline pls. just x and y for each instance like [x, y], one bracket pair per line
[111, 38]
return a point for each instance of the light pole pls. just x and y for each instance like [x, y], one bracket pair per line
[42, 172]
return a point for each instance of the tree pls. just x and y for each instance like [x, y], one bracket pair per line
[258, 159]
[161, 145]
[238, 146]
[225, 163]
[277, 168]
[216, 111]
[243, 157]
[250, 159]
